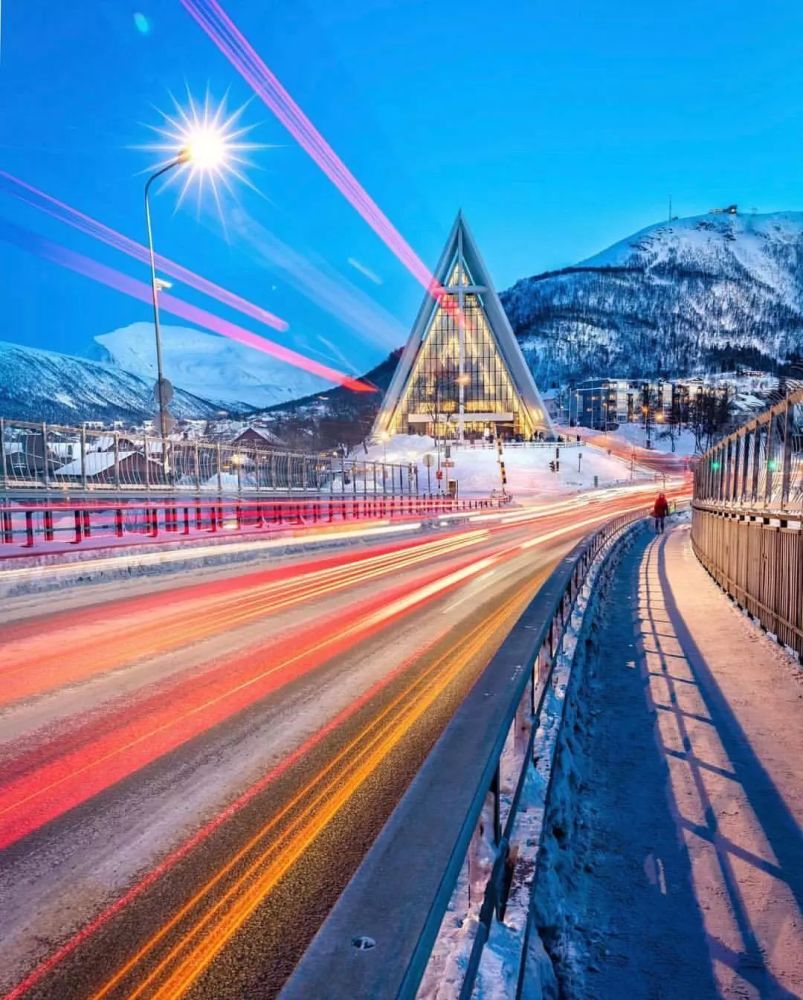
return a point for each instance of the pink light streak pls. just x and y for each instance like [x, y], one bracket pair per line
[86, 224]
[172, 304]
[238, 50]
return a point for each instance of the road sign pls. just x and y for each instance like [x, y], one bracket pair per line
[447, 463]
[428, 460]
[162, 392]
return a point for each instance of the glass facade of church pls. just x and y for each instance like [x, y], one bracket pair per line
[459, 385]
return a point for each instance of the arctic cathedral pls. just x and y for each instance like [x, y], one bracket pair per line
[462, 374]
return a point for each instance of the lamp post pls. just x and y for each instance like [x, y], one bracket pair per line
[183, 157]
[204, 148]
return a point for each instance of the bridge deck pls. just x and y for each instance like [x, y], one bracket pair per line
[693, 762]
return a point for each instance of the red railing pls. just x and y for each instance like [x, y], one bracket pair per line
[48, 526]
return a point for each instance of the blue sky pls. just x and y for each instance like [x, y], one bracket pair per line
[558, 128]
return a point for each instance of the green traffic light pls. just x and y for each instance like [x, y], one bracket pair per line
[715, 465]
[771, 464]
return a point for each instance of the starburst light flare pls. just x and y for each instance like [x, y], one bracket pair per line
[208, 141]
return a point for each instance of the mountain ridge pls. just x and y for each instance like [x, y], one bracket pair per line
[674, 298]
[64, 389]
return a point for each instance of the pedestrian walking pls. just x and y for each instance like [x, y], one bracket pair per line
[659, 511]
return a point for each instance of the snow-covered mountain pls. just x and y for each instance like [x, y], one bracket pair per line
[208, 365]
[709, 292]
[59, 388]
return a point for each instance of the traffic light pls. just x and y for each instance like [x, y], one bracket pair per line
[552, 466]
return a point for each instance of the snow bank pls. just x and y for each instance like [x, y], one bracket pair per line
[477, 470]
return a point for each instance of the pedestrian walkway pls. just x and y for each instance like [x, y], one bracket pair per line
[690, 859]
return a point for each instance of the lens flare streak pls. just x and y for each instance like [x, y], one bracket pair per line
[141, 291]
[99, 231]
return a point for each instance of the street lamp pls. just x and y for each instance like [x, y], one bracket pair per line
[205, 148]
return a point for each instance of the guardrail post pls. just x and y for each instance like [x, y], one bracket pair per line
[770, 463]
[219, 470]
[45, 469]
[47, 517]
[78, 527]
[83, 457]
[3, 457]
[756, 464]
[8, 530]
[117, 460]
[28, 529]
[742, 474]
[118, 522]
[786, 462]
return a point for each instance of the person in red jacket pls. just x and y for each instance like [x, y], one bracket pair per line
[659, 511]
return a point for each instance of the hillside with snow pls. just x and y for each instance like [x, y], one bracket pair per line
[703, 293]
[207, 365]
[59, 388]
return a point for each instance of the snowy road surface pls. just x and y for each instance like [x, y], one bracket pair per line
[688, 874]
[193, 767]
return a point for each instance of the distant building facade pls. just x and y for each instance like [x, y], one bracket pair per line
[462, 374]
[605, 403]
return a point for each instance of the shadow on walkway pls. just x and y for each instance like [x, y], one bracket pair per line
[693, 761]
[745, 845]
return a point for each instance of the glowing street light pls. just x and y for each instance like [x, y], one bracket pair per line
[207, 144]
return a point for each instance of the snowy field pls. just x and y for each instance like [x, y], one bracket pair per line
[636, 434]
[529, 477]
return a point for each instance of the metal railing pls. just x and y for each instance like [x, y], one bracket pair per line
[747, 523]
[36, 457]
[48, 526]
[758, 466]
[468, 790]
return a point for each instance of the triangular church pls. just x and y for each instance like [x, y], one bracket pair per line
[462, 374]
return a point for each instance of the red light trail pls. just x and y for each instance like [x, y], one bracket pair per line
[136, 289]
[123, 735]
[244, 58]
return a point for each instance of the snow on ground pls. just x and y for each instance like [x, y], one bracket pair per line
[676, 861]
[477, 471]
[636, 435]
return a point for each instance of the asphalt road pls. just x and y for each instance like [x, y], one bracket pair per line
[191, 771]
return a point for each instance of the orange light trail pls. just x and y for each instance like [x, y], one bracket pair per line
[131, 736]
[196, 705]
[318, 802]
